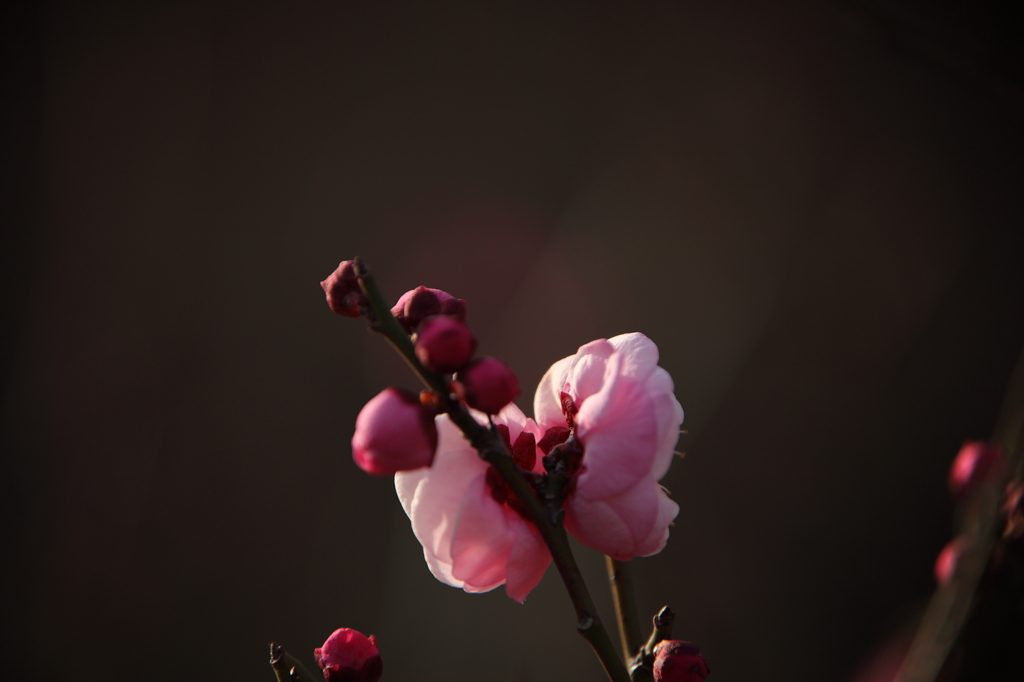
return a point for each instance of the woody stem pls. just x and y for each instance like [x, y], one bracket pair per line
[545, 514]
[621, 580]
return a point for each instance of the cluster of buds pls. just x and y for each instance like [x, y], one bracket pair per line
[395, 431]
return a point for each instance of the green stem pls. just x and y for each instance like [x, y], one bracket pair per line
[546, 514]
[621, 580]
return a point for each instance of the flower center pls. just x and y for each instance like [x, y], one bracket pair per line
[559, 444]
[524, 453]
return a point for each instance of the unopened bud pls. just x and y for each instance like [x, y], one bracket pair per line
[949, 557]
[420, 303]
[349, 656]
[343, 293]
[488, 385]
[444, 344]
[976, 461]
[678, 661]
[394, 432]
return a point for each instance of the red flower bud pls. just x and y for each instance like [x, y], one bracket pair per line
[949, 557]
[420, 303]
[976, 461]
[343, 293]
[444, 344]
[394, 432]
[488, 385]
[349, 656]
[677, 661]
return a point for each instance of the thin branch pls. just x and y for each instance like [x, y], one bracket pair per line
[621, 581]
[287, 668]
[545, 514]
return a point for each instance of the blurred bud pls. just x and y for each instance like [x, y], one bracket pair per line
[488, 385]
[444, 344]
[394, 432]
[678, 661]
[949, 557]
[343, 293]
[976, 461]
[349, 656]
[420, 303]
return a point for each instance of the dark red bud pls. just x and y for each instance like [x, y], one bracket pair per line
[444, 344]
[678, 661]
[349, 656]
[488, 385]
[420, 303]
[343, 293]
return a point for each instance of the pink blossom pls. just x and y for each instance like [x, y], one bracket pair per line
[472, 533]
[349, 656]
[620, 406]
[394, 432]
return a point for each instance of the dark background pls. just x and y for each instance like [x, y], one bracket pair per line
[815, 209]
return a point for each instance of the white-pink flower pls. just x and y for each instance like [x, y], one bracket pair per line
[621, 408]
[619, 405]
[472, 534]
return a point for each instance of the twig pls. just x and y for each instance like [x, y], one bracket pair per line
[546, 514]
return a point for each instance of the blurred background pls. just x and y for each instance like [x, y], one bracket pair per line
[815, 209]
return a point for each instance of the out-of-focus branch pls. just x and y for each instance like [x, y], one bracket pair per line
[950, 606]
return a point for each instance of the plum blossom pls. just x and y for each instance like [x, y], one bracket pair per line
[616, 401]
[469, 524]
[618, 406]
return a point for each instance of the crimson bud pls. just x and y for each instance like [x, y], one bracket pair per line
[678, 661]
[420, 303]
[349, 656]
[444, 344]
[342, 288]
[488, 385]
[394, 432]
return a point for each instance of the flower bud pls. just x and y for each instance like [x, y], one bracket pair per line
[976, 461]
[488, 385]
[394, 432]
[420, 303]
[349, 656]
[678, 661]
[949, 557]
[444, 344]
[343, 293]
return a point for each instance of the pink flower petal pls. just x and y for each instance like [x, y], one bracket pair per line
[527, 561]
[617, 525]
[482, 538]
[586, 376]
[656, 539]
[428, 499]
[639, 352]
[547, 405]
[469, 539]
[619, 431]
